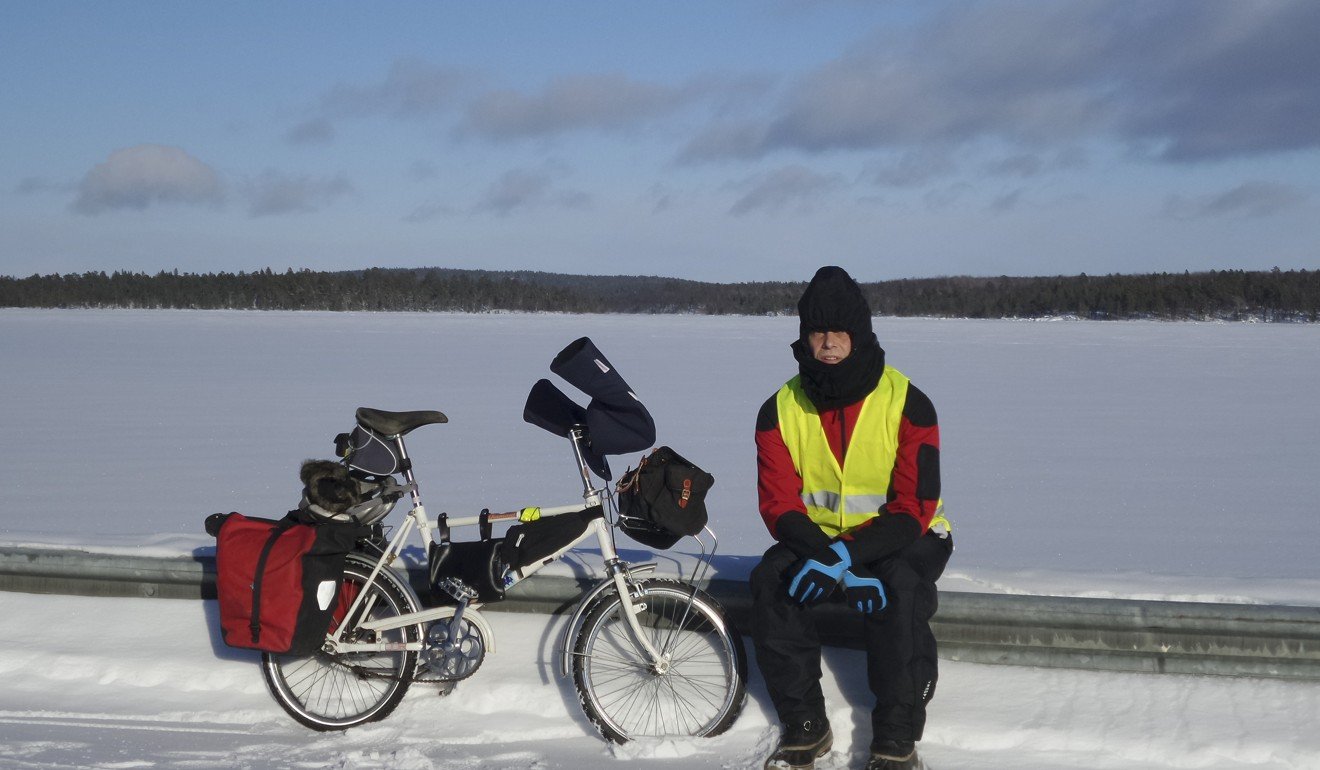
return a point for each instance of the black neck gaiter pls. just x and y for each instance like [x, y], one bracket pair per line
[831, 386]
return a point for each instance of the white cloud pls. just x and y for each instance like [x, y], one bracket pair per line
[912, 169]
[412, 89]
[429, 211]
[34, 185]
[1249, 199]
[1176, 81]
[789, 186]
[314, 131]
[601, 102]
[141, 176]
[274, 193]
[527, 188]
[422, 170]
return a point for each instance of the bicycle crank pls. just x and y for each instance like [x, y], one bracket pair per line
[454, 650]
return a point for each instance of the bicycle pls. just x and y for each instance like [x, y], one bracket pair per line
[648, 656]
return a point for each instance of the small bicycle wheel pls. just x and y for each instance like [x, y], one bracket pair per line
[336, 691]
[698, 691]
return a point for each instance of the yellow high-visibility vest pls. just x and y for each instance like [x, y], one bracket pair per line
[838, 498]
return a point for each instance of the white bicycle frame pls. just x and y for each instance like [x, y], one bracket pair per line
[619, 572]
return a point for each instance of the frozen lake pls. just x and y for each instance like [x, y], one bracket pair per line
[1140, 459]
[1099, 459]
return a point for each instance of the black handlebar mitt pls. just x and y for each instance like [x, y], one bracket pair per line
[549, 409]
[617, 421]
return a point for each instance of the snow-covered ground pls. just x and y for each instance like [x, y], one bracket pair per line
[135, 683]
[1147, 460]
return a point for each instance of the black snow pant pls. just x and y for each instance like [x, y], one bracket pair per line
[900, 649]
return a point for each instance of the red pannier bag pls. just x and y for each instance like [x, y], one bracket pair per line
[278, 581]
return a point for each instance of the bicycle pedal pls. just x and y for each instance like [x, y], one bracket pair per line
[457, 589]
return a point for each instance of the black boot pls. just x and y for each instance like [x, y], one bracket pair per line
[893, 755]
[801, 744]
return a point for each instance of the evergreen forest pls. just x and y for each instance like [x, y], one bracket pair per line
[1274, 296]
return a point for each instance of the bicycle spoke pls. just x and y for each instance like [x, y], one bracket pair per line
[335, 690]
[696, 691]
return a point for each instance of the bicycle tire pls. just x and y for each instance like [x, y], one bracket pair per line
[326, 691]
[702, 692]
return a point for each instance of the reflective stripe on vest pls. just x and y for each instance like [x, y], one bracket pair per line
[839, 499]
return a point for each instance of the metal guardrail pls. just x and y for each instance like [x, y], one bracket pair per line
[1095, 634]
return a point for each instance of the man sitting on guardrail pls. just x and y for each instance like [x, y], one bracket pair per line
[849, 486]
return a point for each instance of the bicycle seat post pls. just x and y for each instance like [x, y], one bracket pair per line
[406, 465]
[575, 434]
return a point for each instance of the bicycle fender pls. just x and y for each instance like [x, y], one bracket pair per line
[368, 560]
[584, 604]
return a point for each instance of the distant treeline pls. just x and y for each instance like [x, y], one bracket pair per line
[1227, 294]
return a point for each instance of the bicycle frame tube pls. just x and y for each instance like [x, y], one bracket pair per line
[617, 569]
[619, 572]
[416, 518]
[583, 606]
[413, 618]
[388, 555]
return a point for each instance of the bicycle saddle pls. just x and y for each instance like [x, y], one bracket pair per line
[396, 423]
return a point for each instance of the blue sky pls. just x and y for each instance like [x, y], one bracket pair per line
[724, 141]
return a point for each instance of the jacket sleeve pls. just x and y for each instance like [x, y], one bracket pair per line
[914, 488]
[780, 488]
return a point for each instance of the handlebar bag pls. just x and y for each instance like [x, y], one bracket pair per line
[277, 582]
[663, 499]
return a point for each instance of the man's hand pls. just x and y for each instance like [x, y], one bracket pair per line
[864, 591]
[820, 574]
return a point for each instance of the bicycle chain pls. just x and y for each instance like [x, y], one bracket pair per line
[366, 673]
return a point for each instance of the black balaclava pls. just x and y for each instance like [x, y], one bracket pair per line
[834, 302]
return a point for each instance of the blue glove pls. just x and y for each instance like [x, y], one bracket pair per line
[820, 574]
[864, 591]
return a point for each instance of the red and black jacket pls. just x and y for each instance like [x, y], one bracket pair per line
[914, 487]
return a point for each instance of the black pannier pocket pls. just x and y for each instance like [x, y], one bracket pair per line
[664, 499]
[278, 582]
